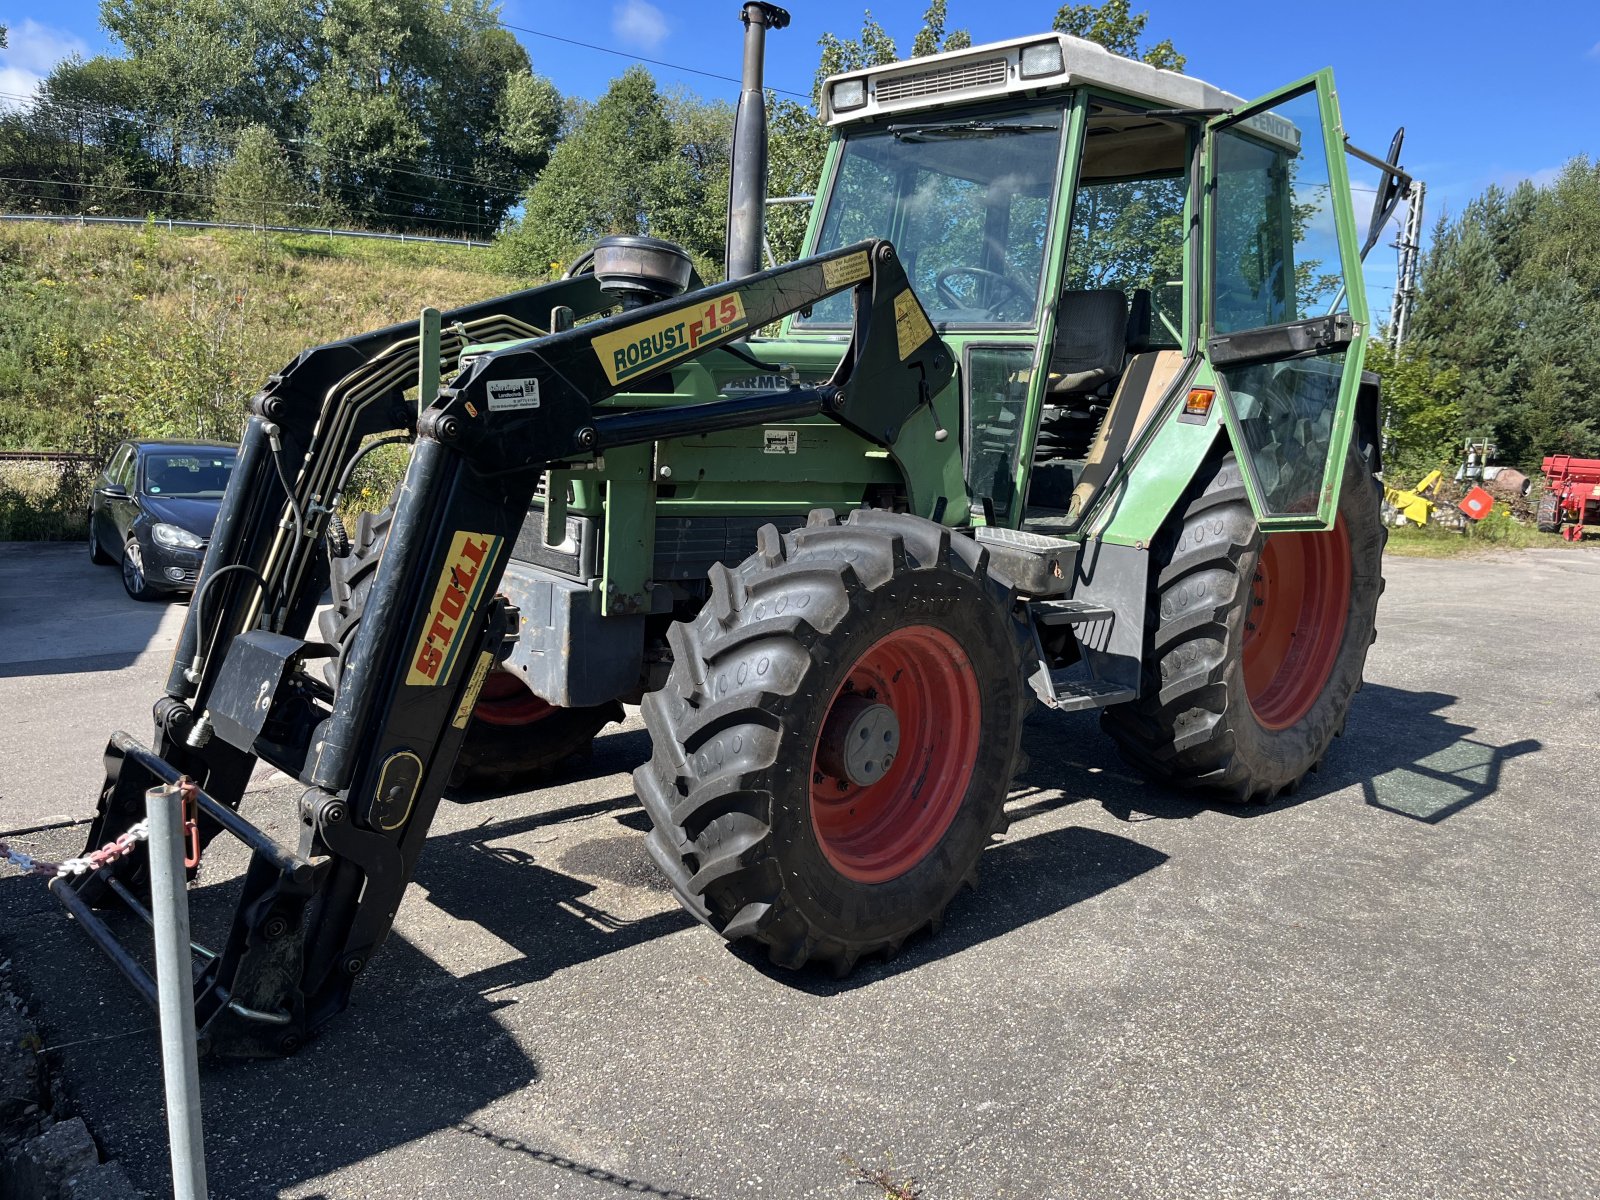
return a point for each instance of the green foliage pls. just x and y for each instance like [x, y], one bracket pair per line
[1120, 31]
[634, 162]
[411, 114]
[1509, 296]
[258, 186]
[932, 38]
[106, 333]
[1421, 408]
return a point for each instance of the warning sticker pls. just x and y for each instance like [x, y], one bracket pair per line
[507, 394]
[455, 598]
[781, 441]
[645, 348]
[474, 685]
[852, 268]
[911, 326]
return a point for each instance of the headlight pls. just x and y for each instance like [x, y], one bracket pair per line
[1041, 59]
[848, 94]
[175, 538]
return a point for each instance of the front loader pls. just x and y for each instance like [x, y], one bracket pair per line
[1062, 404]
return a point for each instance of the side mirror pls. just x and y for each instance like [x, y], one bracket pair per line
[114, 491]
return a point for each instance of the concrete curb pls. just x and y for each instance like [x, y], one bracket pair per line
[45, 1154]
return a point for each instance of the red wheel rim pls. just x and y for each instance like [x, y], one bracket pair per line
[1300, 601]
[878, 831]
[506, 700]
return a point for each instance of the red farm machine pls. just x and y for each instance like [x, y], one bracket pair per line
[1570, 505]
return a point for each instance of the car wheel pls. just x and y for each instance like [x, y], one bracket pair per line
[134, 580]
[96, 555]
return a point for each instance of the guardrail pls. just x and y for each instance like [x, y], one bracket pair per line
[46, 456]
[172, 223]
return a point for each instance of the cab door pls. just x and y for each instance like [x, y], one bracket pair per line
[1284, 316]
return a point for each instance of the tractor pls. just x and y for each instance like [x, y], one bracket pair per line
[1062, 405]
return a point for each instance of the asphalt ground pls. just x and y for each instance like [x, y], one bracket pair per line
[1386, 986]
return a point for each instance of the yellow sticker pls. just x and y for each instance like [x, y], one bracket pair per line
[851, 268]
[650, 345]
[457, 593]
[911, 326]
[474, 686]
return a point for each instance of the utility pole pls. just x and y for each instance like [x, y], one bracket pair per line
[1410, 248]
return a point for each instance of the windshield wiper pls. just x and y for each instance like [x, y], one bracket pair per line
[964, 129]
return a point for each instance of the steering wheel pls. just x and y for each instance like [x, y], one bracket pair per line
[1018, 291]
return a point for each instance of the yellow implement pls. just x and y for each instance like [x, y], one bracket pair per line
[1414, 504]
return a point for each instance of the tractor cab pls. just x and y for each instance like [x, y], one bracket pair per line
[1046, 199]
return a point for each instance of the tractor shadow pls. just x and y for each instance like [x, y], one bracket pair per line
[1407, 756]
[425, 1045]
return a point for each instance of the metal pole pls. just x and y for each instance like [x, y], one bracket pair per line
[180, 1065]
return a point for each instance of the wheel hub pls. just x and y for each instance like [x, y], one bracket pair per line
[895, 754]
[860, 741]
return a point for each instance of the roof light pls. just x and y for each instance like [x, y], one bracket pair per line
[1043, 58]
[848, 94]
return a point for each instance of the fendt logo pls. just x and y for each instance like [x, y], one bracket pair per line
[457, 593]
[629, 353]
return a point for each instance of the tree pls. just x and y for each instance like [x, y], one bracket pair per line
[932, 38]
[599, 179]
[1509, 296]
[1120, 31]
[258, 186]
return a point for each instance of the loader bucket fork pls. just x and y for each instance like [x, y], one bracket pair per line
[373, 754]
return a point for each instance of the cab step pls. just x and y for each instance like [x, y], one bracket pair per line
[1068, 612]
[1077, 695]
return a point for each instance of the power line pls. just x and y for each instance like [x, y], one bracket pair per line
[149, 191]
[655, 62]
[454, 209]
[149, 123]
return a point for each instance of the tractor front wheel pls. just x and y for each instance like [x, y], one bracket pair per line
[834, 746]
[1256, 641]
[515, 738]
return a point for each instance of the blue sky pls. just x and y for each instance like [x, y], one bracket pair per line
[1488, 92]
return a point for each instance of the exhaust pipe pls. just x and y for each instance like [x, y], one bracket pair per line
[747, 184]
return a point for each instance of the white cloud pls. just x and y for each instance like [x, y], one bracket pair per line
[1594, 51]
[639, 23]
[34, 49]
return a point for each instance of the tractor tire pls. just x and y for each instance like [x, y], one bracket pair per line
[1255, 642]
[834, 745]
[514, 738]
[1548, 517]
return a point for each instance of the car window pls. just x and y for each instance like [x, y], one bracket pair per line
[122, 468]
[192, 474]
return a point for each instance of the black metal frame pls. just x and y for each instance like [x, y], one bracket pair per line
[375, 756]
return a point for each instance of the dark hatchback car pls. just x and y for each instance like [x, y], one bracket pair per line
[153, 509]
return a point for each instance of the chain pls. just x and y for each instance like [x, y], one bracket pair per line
[83, 864]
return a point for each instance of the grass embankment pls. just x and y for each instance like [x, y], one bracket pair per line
[1497, 531]
[108, 333]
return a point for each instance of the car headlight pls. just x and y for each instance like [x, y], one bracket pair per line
[176, 538]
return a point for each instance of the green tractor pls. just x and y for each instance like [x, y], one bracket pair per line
[1062, 404]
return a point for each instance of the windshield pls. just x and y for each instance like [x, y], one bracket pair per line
[188, 476]
[966, 202]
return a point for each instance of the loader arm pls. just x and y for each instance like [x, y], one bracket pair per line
[375, 755]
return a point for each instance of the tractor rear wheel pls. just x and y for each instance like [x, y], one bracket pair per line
[1548, 517]
[1255, 642]
[514, 738]
[833, 748]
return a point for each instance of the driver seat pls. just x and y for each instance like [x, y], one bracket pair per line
[1087, 359]
[1091, 341]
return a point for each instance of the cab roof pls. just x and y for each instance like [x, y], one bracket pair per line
[994, 70]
